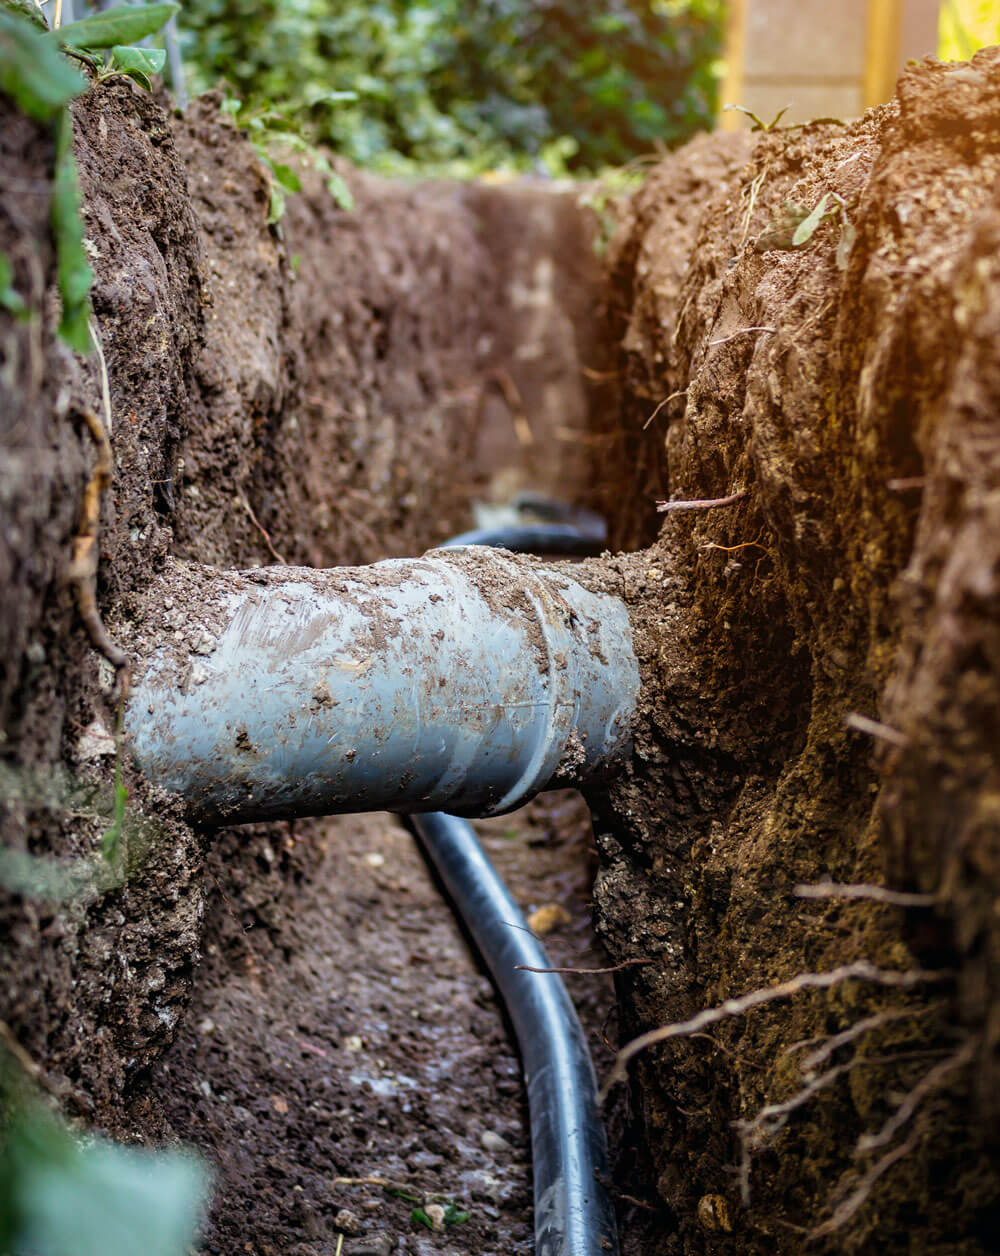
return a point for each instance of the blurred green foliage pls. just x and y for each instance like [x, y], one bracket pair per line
[66, 1193]
[573, 84]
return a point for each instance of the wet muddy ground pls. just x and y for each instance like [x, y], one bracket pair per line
[347, 1037]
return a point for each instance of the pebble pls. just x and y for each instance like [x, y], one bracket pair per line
[435, 1215]
[348, 1222]
[353, 1043]
[494, 1142]
[548, 918]
[380, 1244]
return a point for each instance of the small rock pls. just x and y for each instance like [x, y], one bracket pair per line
[206, 1025]
[380, 1244]
[373, 859]
[95, 742]
[348, 1222]
[280, 1104]
[493, 1142]
[353, 1043]
[435, 1215]
[714, 1214]
[201, 643]
[198, 675]
[548, 918]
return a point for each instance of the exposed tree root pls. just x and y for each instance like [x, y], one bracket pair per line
[82, 572]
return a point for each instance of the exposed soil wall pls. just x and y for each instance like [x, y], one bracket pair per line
[852, 405]
[313, 391]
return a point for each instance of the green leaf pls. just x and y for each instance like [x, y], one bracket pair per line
[276, 206]
[339, 190]
[124, 24]
[111, 839]
[758, 123]
[10, 298]
[453, 1215]
[25, 9]
[286, 176]
[103, 1199]
[33, 73]
[411, 1197]
[806, 228]
[138, 63]
[419, 1217]
[74, 271]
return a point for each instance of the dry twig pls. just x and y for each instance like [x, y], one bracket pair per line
[703, 503]
[586, 972]
[666, 401]
[262, 530]
[743, 331]
[860, 970]
[877, 893]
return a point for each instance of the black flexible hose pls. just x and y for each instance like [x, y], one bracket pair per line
[573, 1214]
[534, 538]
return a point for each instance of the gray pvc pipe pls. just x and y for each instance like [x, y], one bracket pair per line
[465, 681]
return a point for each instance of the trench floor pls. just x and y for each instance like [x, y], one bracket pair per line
[352, 1035]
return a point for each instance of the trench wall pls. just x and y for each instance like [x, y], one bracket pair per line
[846, 392]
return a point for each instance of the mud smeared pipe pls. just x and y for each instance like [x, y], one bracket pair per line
[464, 681]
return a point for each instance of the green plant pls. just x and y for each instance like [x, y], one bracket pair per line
[467, 85]
[758, 123]
[63, 1193]
[42, 83]
[10, 298]
[453, 1215]
[269, 132]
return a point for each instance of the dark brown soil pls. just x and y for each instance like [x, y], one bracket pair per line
[326, 410]
[855, 409]
[341, 1029]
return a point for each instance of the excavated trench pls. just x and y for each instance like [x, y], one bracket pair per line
[820, 657]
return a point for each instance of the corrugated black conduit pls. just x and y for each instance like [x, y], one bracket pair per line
[573, 1214]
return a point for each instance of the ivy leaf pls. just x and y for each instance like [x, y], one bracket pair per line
[74, 270]
[286, 176]
[124, 24]
[32, 71]
[807, 227]
[138, 63]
